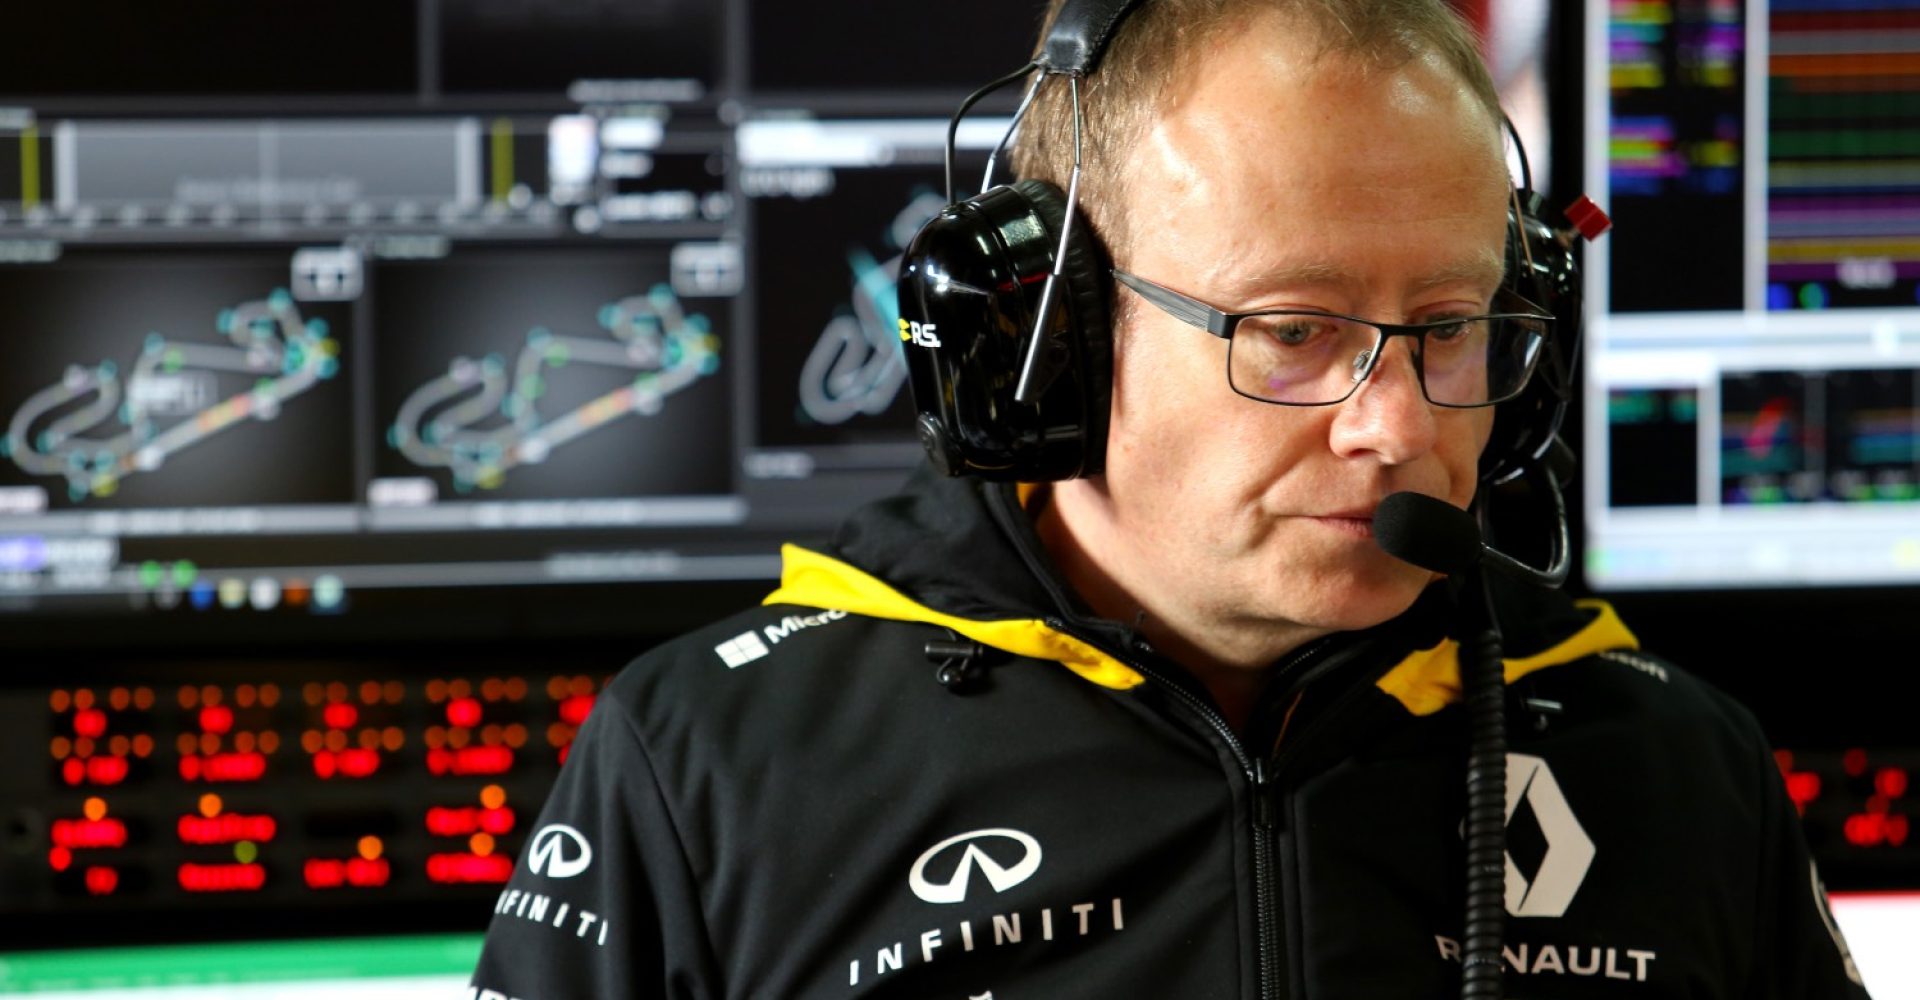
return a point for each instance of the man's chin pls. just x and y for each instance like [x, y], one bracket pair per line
[1364, 601]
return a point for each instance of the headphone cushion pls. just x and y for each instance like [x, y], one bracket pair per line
[1085, 272]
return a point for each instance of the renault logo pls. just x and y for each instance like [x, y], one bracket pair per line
[559, 851]
[1000, 877]
[1569, 850]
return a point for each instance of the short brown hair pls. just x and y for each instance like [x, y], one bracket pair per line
[1156, 45]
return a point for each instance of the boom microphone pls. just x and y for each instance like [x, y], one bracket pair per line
[1428, 532]
[1435, 535]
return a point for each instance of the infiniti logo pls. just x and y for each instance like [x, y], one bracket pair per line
[559, 851]
[1000, 877]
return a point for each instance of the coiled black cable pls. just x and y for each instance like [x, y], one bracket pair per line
[1482, 678]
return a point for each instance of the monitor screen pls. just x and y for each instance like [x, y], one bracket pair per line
[1753, 318]
[546, 339]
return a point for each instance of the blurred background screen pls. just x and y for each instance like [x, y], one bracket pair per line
[377, 378]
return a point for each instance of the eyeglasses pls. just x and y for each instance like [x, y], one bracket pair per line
[1304, 358]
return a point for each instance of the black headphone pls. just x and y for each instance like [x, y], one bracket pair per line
[1004, 309]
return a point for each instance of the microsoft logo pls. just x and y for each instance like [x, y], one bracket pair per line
[741, 649]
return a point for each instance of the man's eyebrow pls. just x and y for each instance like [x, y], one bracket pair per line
[1480, 272]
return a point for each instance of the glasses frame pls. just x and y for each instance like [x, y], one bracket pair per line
[1222, 324]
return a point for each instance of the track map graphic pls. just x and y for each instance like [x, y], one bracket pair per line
[94, 428]
[856, 366]
[441, 423]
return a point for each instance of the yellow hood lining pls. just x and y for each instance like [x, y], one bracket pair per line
[812, 580]
[1429, 680]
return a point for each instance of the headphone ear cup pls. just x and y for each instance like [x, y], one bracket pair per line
[1545, 275]
[970, 288]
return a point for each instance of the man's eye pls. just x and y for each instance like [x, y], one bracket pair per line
[1294, 331]
[1450, 331]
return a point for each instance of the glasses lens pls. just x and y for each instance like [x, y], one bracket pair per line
[1481, 361]
[1299, 358]
[1307, 359]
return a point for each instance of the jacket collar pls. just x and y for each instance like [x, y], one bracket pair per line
[960, 554]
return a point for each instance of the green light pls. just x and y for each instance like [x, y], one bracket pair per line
[184, 573]
[245, 853]
[150, 574]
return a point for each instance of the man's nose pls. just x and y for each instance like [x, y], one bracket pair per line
[1387, 416]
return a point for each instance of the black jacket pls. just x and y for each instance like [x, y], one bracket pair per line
[788, 804]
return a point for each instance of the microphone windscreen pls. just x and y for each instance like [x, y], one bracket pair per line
[1427, 532]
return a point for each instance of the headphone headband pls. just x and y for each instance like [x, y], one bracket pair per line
[1080, 35]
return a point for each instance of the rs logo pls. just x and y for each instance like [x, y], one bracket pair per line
[919, 334]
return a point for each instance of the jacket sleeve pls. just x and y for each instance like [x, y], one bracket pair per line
[601, 904]
[1801, 952]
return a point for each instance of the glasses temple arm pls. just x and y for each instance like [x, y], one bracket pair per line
[1180, 307]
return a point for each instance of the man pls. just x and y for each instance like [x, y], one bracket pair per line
[1215, 750]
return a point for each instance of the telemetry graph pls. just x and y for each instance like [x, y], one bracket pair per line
[445, 422]
[95, 428]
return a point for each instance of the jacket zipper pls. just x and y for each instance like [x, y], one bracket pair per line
[1260, 784]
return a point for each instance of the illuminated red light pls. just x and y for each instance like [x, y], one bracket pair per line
[73, 771]
[222, 877]
[324, 873]
[1891, 782]
[462, 868]
[564, 751]
[1803, 787]
[361, 873]
[355, 763]
[224, 766]
[574, 710]
[102, 880]
[216, 719]
[464, 712]
[1874, 829]
[496, 821]
[461, 821]
[1855, 762]
[106, 770]
[227, 828]
[60, 859]
[359, 762]
[75, 834]
[470, 760]
[90, 722]
[368, 872]
[453, 821]
[340, 715]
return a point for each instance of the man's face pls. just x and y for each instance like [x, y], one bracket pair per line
[1275, 181]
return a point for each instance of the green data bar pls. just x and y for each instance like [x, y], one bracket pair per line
[1781, 104]
[238, 962]
[1847, 142]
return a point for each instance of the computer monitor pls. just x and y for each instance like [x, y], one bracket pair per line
[1753, 318]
